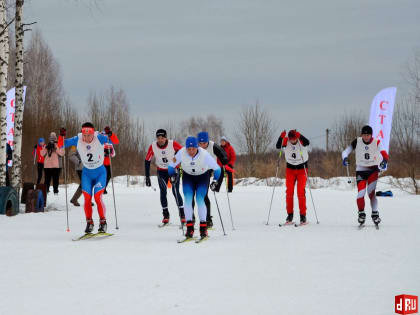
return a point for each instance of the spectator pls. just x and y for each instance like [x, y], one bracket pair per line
[39, 158]
[225, 144]
[52, 154]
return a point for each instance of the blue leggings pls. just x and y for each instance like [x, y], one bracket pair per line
[195, 185]
[93, 180]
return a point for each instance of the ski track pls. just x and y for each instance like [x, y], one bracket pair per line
[330, 268]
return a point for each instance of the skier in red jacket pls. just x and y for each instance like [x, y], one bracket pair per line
[225, 144]
[109, 153]
[39, 158]
[296, 154]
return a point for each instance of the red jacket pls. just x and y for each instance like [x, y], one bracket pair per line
[230, 154]
[39, 157]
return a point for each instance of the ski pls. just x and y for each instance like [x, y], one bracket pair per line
[287, 223]
[361, 226]
[92, 235]
[377, 226]
[201, 239]
[187, 239]
[163, 225]
[301, 224]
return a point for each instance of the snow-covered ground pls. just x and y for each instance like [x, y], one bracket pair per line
[330, 268]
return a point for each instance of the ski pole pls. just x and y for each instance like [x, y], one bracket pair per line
[307, 179]
[65, 188]
[113, 192]
[176, 199]
[227, 194]
[348, 175]
[218, 210]
[175, 192]
[274, 187]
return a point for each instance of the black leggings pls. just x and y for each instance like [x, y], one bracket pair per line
[40, 167]
[108, 174]
[53, 173]
[163, 178]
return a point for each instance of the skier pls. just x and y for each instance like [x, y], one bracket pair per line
[164, 151]
[39, 158]
[231, 155]
[368, 151]
[109, 153]
[296, 154]
[218, 154]
[195, 163]
[90, 145]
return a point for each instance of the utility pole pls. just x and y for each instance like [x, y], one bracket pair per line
[327, 135]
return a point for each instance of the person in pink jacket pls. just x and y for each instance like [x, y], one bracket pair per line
[52, 155]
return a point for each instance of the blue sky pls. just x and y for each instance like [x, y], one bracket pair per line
[305, 61]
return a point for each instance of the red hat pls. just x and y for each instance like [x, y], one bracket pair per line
[292, 134]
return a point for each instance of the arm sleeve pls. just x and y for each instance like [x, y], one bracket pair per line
[220, 153]
[279, 143]
[113, 151]
[114, 139]
[305, 142]
[173, 165]
[383, 152]
[233, 157]
[147, 168]
[177, 146]
[149, 154]
[211, 163]
[68, 142]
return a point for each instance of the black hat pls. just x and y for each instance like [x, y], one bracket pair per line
[161, 133]
[367, 130]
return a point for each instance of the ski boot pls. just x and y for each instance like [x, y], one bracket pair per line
[102, 226]
[303, 219]
[375, 217]
[209, 222]
[362, 217]
[190, 230]
[182, 215]
[203, 229]
[89, 226]
[289, 219]
[165, 213]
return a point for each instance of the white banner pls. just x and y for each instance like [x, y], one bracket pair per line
[381, 112]
[10, 114]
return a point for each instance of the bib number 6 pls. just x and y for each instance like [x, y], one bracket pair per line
[367, 156]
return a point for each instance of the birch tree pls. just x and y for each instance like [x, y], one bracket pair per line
[4, 53]
[19, 32]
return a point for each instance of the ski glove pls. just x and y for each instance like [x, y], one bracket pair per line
[63, 132]
[346, 161]
[213, 185]
[108, 131]
[383, 165]
[148, 183]
[283, 134]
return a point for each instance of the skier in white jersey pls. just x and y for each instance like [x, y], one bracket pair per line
[216, 152]
[90, 145]
[195, 163]
[369, 155]
[164, 151]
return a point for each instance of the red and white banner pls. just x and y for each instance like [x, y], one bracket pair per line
[381, 112]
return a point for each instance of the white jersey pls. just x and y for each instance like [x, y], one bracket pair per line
[210, 150]
[367, 155]
[292, 153]
[197, 165]
[91, 154]
[163, 156]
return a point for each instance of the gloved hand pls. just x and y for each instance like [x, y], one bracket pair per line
[213, 185]
[107, 152]
[173, 178]
[346, 161]
[297, 134]
[283, 134]
[108, 131]
[148, 183]
[63, 132]
[383, 165]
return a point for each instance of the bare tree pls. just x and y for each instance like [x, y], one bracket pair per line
[4, 53]
[195, 124]
[346, 129]
[254, 134]
[19, 105]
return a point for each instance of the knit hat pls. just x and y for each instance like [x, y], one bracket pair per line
[191, 142]
[291, 134]
[223, 138]
[203, 136]
[41, 140]
[53, 136]
[161, 133]
[367, 130]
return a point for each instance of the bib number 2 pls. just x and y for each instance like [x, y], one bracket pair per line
[90, 157]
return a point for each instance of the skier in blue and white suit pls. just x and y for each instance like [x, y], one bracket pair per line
[90, 145]
[195, 163]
